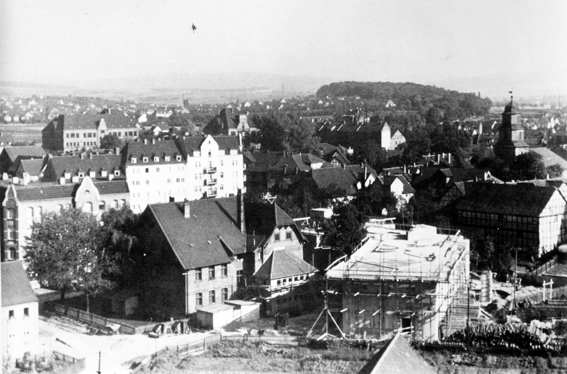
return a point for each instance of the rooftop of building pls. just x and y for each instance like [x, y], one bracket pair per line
[420, 253]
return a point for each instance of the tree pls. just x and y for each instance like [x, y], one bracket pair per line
[555, 170]
[66, 252]
[271, 133]
[110, 141]
[528, 166]
[120, 227]
[345, 230]
[301, 137]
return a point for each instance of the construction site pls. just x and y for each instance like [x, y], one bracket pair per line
[409, 279]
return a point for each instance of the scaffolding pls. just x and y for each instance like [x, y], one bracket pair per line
[396, 280]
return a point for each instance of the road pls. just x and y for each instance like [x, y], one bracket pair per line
[116, 350]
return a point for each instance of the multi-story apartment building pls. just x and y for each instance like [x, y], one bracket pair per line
[84, 131]
[185, 168]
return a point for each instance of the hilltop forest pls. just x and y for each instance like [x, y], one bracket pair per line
[409, 97]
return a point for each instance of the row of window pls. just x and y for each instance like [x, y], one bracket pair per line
[12, 313]
[155, 159]
[498, 217]
[288, 236]
[126, 133]
[212, 297]
[212, 273]
[283, 282]
[79, 144]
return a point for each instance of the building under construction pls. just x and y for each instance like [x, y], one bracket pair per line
[407, 279]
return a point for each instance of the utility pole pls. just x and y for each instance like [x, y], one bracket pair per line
[98, 371]
[515, 279]
[468, 313]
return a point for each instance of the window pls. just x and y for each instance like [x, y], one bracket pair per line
[156, 159]
[133, 160]
[198, 275]
[239, 277]
[147, 170]
[116, 173]
[224, 294]
[26, 312]
[212, 272]
[11, 314]
[212, 297]
[288, 235]
[224, 270]
[166, 158]
[178, 158]
[277, 237]
[10, 213]
[199, 299]
[145, 159]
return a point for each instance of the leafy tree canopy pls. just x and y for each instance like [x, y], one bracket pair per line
[66, 252]
[110, 141]
[345, 230]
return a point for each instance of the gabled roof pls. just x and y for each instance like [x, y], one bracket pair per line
[397, 357]
[16, 288]
[548, 157]
[113, 120]
[225, 142]
[344, 178]
[263, 218]
[301, 162]
[196, 241]
[283, 264]
[387, 180]
[48, 191]
[32, 167]
[13, 152]
[160, 149]
[523, 199]
[75, 164]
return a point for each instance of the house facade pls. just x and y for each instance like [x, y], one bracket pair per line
[185, 168]
[84, 131]
[520, 215]
[20, 317]
[192, 254]
[22, 205]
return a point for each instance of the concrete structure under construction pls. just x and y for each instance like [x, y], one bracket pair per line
[407, 279]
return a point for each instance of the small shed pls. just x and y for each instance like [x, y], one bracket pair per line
[124, 302]
[215, 316]
[244, 311]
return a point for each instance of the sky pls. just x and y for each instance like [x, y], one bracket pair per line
[434, 41]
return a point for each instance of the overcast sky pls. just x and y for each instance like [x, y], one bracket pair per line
[421, 41]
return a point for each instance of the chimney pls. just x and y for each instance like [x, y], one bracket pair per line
[82, 155]
[438, 158]
[405, 169]
[240, 208]
[285, 169]
[145, 141]
[449, 157]
[91, 156]
[153, 140]
[117, 150]
[186, 209]
[365, 172]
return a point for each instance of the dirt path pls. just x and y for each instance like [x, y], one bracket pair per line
[116, 350]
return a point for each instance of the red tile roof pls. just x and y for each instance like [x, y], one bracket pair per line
[16, 288]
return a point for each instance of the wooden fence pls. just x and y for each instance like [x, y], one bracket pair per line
[95, 319]
[76, 364]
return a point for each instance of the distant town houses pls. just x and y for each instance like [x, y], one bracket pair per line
[356, 132]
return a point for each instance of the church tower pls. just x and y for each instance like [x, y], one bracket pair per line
[511, 141]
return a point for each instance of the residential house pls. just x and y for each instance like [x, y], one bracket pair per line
[23, 204]
[396, 279]
[520, 215]
[76, 132]
[20, 318]
[11, 157]
[275, 259]
[227, 123]
[397, 185]
[355, 133]
[347, 180]
[191, 254]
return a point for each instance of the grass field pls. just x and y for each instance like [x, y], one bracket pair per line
[24, 132]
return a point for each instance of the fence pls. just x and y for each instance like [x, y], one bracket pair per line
[95, 319]
[76, 366]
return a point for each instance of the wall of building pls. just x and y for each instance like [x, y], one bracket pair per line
[20, 333]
